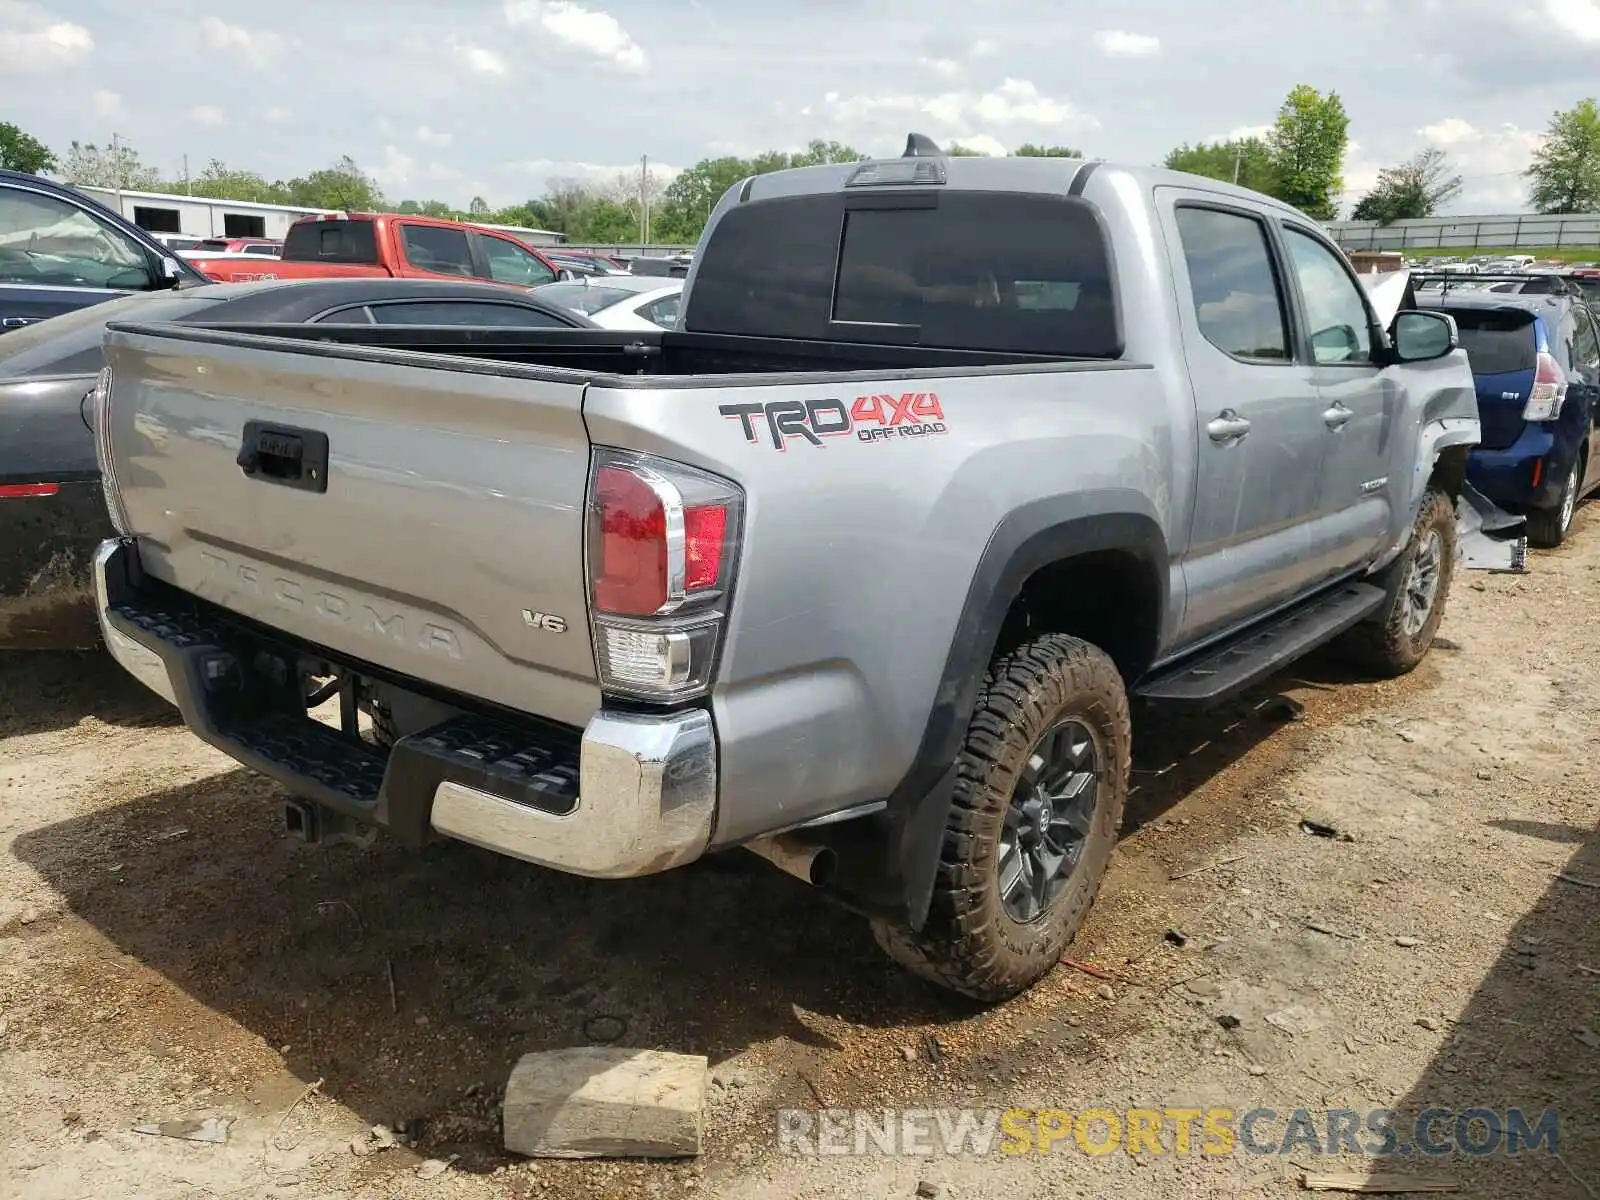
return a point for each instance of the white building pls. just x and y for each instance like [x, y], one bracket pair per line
[198, 216]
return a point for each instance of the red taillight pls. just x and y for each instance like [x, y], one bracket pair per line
[705, 530]
[663, 543]
[630, 550]
[19, 491]
[652, 548]
[1549, 390]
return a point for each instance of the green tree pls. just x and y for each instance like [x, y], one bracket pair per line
[1565, 175]
[478, 207]
[344, 185]
[818, 152]
[1247, 162]
[1308, 144]
[1418, 187]
[1029, 150]
[221, 182]
[23, 152]
[689, 199]
[109, 167]
[957, 150]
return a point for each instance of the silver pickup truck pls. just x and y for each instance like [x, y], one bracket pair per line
[860, 568]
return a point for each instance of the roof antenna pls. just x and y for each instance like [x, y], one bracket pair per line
[920, 145]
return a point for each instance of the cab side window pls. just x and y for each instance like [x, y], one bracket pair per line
[1238, 301]
[510, 263]
[50, 243]
[442, 251]
[1336, 312]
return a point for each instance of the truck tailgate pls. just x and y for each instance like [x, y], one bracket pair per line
[451, 503]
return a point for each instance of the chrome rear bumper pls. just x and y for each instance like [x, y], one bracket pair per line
[646, 786]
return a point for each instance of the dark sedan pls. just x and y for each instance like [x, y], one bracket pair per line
[52, 513]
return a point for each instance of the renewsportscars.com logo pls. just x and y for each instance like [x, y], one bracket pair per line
[1378, 1133]
[871, 418]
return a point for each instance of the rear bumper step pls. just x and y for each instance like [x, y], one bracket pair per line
[635, 794]
[1228, 669]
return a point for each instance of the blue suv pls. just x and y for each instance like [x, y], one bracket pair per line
[1536, 361]
[61, 251]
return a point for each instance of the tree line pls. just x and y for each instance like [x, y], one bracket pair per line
[1299, 160]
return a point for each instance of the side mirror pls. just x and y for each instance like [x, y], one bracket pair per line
[170, 270]
[1419, 336]
[566, 275]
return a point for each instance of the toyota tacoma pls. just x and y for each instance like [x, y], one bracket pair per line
[949, 463]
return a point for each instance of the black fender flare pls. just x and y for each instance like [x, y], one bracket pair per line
[887, 862]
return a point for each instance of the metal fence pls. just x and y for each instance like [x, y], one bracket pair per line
[1466, 234]
[635, 251]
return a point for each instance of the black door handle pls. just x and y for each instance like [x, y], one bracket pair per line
[281, 454]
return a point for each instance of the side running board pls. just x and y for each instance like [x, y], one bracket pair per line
[1262, 650]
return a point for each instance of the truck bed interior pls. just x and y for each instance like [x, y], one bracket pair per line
[617, 357]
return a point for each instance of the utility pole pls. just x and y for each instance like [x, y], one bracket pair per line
[1238, 159]
[644, 200]
[116, 165]
[187, 185]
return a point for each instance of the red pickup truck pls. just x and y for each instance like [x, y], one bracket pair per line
[385, 244]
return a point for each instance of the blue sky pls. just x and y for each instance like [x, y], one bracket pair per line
[451, 100]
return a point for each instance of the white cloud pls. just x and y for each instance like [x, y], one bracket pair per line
[593, 174]
[430, 137]
[106, 105]
[1241, 133]
[1449, 132]
[277, 113]
[1360, 172]
[588, 30]
[1580, 18]
[944, 68]
[1014, 102]
[1119, 43]
[400, 170]
[985, 48]
[983, 144]
[478, 60]
[1491, 161]
[208, 114]
[31, 40]
[255, 47]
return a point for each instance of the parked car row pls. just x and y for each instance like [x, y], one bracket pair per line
[1534, 345]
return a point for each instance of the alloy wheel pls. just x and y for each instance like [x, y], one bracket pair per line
[1048, 820]
[1422, 583]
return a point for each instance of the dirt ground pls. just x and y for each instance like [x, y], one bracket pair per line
[167, 952]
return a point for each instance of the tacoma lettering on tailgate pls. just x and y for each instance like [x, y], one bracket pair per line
[317, 599]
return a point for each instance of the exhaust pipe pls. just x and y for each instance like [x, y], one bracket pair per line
[806, 861]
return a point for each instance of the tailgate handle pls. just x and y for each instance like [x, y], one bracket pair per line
[280, 454]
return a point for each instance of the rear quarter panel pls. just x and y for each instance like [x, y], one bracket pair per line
[858, 555]
[226, 270]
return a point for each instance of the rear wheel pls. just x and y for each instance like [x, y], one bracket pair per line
[1547, 527]
[1038, 800]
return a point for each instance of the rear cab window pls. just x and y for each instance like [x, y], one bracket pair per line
[988, 271]
[1497, 342]
[352, 242]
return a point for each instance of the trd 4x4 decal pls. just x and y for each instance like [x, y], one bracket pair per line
[871, 418]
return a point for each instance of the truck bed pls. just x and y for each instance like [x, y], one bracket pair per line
[612, 356]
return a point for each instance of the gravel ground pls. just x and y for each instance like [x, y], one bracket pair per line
[166, 952]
